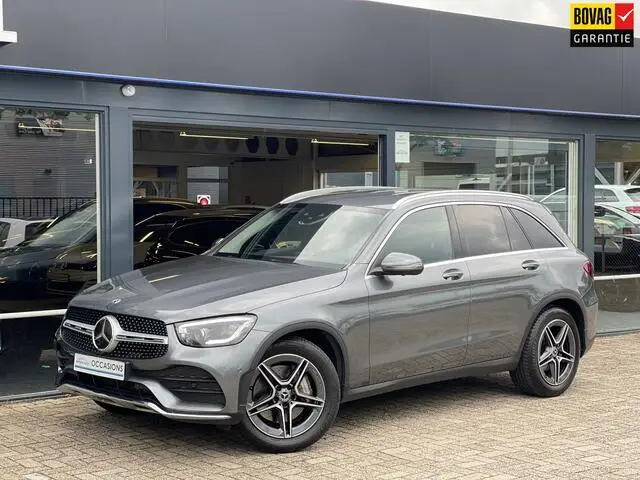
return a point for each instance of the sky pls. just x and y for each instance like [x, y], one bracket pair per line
[542, 12]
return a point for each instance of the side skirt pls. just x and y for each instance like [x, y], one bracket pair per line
[479, 369]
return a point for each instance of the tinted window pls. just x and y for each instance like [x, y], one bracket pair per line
[537, 233]
[424, 234]
[517, 237]
[605, 195]
[4, 232]
[483, 229]
[201, 235]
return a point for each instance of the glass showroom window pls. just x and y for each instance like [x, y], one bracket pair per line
[616, 233]
[543, 169]
[48, 247]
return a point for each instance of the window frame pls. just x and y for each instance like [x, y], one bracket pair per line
[453, 232]
[459, 253]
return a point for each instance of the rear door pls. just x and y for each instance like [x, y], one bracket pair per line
[505, 273]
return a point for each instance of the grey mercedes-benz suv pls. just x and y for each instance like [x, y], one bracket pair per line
[333, 295]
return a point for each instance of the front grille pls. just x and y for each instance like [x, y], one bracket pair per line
[189, 384]
[83, 343]
[127, 322]
[114, 388]
[125, 350]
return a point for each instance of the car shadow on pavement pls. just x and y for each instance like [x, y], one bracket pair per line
[195, 439]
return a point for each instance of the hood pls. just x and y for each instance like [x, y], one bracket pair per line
[204, 286]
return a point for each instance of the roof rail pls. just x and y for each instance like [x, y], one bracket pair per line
[329, 191]
[419, 195]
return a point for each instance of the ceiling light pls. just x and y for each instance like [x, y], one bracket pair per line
[185, 134]
[327, 142]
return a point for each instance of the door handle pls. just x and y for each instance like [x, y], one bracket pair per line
[453, 274]
[530, 265]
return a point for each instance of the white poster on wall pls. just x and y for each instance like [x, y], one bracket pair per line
[403, 147]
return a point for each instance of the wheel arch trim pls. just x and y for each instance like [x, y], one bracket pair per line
[544, 304]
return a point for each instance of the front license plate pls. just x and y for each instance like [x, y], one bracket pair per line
[100, 367]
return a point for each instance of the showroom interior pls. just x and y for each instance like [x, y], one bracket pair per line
[97, 155]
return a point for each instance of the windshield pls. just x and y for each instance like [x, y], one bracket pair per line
[305, 234]
[71, 229]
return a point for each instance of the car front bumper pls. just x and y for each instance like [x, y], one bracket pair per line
[199, 385]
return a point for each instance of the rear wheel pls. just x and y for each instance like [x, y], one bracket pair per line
[293, 398]
[550, 357]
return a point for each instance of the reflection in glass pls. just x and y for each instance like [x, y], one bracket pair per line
[616, 231]
[539, 168]
[47, 197]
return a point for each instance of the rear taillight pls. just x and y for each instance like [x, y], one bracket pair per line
[633, 209]
[588, 269]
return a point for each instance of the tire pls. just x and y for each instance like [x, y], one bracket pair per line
[536, 371]
[268, 402]
[114, 408]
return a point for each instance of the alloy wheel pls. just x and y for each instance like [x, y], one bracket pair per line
[287, 396]
[557, 350]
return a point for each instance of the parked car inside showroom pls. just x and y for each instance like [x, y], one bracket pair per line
[24, 275]
[333, 295]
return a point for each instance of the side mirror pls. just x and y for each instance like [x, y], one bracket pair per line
[397, 263]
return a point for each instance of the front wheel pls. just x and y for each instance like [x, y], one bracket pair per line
[550, 357]
[293, 398]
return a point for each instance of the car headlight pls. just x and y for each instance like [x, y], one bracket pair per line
[215, 332]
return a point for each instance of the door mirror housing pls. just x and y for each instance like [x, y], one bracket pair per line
[396, 263]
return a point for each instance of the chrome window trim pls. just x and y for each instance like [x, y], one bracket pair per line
[124, 336]
[465, 202]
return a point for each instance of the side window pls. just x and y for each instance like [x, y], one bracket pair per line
[605, 195]
[4, 233]
[32, 229]
[538, 234]
[518, 239]
[483, 230]
[425, 234]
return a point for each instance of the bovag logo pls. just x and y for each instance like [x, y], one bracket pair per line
[601, 24]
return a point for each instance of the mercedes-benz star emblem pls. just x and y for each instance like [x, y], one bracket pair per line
[105, 334]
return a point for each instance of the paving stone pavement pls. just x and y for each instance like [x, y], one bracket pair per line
[477, 428]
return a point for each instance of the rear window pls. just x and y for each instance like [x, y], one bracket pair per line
[634, 194]
[538, 234]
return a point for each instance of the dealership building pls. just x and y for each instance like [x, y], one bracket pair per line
[105, 104]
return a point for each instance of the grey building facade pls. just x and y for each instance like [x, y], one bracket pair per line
[443, 100]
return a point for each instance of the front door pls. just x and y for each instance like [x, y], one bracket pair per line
[419, 323]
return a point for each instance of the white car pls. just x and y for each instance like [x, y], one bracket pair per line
[15, 230]
[625, 197]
